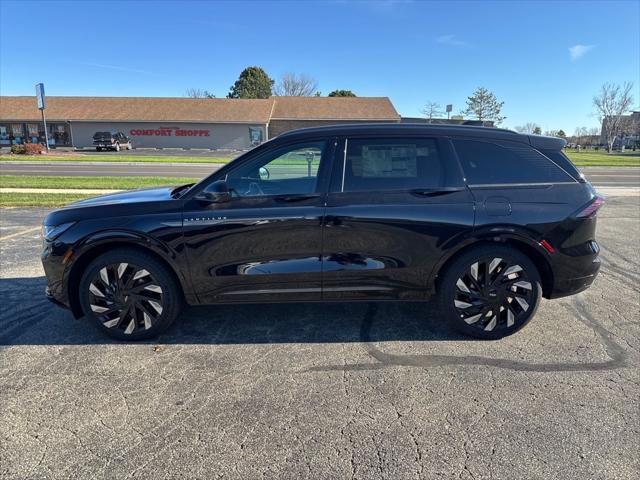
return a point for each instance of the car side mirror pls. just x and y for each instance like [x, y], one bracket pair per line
[217, 192]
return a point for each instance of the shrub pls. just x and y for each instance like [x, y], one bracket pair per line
[27, 149]
[33, 148]
[18, 149]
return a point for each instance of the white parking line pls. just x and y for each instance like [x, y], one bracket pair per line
[17, 234]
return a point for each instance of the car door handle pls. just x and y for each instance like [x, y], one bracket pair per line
[294, 198]
[434, 192]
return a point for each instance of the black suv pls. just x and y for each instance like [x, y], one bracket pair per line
[111, 141]
[487, 220]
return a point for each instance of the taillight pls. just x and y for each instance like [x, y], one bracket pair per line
[592, 208]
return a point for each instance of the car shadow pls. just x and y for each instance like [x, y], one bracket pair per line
[27, 318]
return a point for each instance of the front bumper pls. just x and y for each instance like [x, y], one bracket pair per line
[54, 270]
[53, 299]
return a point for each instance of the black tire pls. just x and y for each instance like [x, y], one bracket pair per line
[493, 305]
[117, 147]
[130, 304]
[98, 149]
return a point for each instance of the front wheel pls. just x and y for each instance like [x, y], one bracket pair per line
[490, 292]
[117, 147]
[129, 295]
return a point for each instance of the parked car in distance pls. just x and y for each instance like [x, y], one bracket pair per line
[111, 141]
[486, 221]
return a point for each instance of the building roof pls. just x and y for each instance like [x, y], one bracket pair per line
[139, 109]
[334, 108]
[223, 110]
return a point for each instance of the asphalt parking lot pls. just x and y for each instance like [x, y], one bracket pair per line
[335, 391]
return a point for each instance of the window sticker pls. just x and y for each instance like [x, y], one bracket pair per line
[386, 161]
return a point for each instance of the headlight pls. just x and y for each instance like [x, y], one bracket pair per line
[51, 232]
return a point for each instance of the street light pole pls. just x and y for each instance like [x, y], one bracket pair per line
[42, 105]
[46, 135]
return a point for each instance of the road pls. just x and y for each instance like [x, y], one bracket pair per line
[599, 176]
[380, 390]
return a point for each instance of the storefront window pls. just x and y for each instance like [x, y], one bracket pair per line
[17, 133]
[59, 134]
[32, 133]
[4, 135]
[255, 135]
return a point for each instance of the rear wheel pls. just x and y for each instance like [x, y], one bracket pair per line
[98, 149]
[117, 147]
[129, 295]
[490, 292]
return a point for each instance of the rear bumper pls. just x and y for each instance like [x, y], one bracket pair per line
[563, 287]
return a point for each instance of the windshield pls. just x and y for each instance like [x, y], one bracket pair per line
[102, 135]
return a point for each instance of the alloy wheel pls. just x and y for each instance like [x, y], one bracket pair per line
[493, 294]
[126, 297]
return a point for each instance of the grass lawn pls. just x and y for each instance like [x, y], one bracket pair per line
[39, 199]
[34, 199]
[589, 158]
[290, 159]
[113, 158]
[603, 159]
[107, 183]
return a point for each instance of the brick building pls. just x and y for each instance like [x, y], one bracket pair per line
[217, 123]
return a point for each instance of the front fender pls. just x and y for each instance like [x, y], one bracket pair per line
[85, 250]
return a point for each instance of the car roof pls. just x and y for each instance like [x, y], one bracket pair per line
[537, 141]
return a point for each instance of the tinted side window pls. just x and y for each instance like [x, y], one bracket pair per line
[496, 162]
[392, 164]
[563, 161]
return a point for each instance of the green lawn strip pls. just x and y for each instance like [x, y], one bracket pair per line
[113, 158]
[135, 159]
[39, 199]
[603, 159]
[583, 158]
[107, 183]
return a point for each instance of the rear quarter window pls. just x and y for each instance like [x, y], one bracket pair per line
[501, 162]
[563, 162]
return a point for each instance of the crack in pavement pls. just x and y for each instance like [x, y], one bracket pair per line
[616, 353]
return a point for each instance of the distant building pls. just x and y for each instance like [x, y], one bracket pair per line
[454, 120]
[157, 122]
[630, 131]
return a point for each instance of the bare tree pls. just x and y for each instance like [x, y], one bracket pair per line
[611, 104]
[292, 85]
[593, 135]
[579, 134]
[198, 93]
[528, 127]
[432, 110]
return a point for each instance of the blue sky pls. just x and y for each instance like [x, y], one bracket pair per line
[544, 59]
